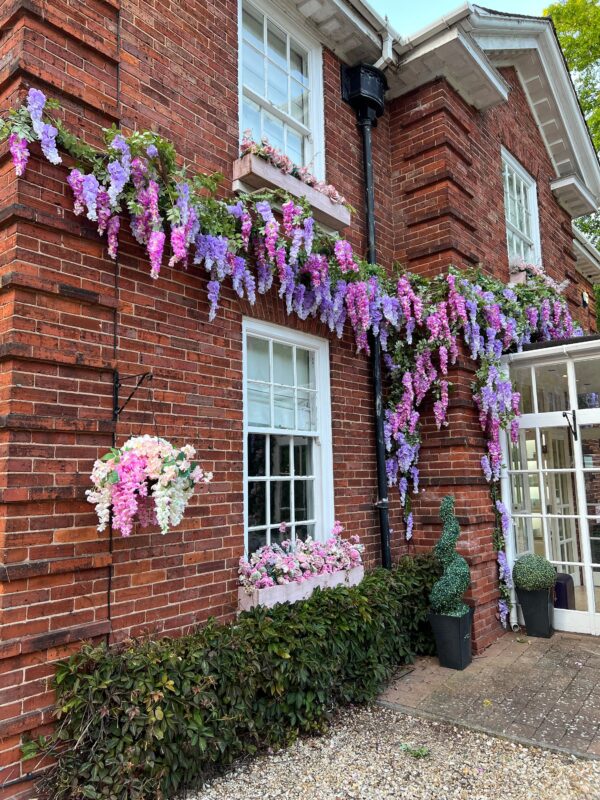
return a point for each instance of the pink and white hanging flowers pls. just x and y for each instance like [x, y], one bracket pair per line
[147, 478]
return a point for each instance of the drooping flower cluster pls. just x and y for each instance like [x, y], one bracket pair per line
[275, 564]
[268, 152]
[147, 478]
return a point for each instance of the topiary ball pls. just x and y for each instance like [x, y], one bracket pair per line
[533, 572]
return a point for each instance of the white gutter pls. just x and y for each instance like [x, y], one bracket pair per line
[403, 45]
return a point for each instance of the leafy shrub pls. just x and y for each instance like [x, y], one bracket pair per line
[152, 718]
[447, 593]
[532, 572]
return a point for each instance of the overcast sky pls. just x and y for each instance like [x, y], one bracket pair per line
[408, 16]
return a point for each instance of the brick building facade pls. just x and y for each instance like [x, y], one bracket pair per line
[70, 318]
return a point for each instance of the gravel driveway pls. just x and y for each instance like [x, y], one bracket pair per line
[375, 753]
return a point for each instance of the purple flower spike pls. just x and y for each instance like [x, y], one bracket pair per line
[19, 152]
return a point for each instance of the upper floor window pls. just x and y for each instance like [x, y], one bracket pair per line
[521, 212]
[288, 483]
[281, 91]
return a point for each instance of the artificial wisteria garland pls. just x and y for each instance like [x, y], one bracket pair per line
[267, 240]
[147, 478]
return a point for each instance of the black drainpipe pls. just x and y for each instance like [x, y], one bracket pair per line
[364, 88]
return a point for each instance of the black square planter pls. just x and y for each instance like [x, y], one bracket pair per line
[538, 611]
[452, 639]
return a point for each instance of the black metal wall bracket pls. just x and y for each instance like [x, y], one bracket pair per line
[118, 382]
[572, 424]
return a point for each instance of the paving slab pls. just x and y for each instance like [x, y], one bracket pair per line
[544, 692]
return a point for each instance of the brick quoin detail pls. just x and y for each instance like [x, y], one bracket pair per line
[69, 318]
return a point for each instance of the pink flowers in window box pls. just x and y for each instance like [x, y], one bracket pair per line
[284, 573]
[268, 152]
[147, 478]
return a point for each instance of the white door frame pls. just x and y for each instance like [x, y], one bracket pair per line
[566, 355]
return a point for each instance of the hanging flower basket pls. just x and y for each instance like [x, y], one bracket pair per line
[148, 478]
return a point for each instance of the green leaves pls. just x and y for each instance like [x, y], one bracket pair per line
[151, 718]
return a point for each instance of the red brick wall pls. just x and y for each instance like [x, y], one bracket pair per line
[61, 303]
[69, 318]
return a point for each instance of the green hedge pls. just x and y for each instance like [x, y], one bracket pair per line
[152, 718]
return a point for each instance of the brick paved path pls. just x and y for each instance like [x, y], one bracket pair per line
[541, 691]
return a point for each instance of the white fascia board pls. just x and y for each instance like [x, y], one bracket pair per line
[574, 196]
[453, 55]
[588, 258]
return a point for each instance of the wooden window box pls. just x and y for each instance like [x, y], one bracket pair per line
[254, 173]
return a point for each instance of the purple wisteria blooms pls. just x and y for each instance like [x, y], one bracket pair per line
[48, 143]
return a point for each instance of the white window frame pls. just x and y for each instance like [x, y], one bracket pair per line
[533, 241]
[315, 130]
[322, 436]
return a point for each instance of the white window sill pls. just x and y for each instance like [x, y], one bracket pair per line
[254, 173]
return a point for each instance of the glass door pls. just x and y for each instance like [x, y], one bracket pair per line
[553, 481]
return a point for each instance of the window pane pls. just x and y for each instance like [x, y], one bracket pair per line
[295, 147]
[307, 417]
[251, 119]
[299, 102]
[277, 536]
[303, 460]
[298, 65]
[587, 376]
[303, 499]
[522, 383]
[590, 446]
[575, 598]
[592, 493]
[276, 45]
[258, 359]
[253, 69]
[257, 454]
[280, 501]
[594, 527]
[283, 364]
[256, 539]
[252, 23]
[524, 529]
[257, 507]
[563, 536]
[523, 454]
[259, 405]
[280, 455]
[557, 448]
[526, 494]
[552, 388]
[273, 130]
[560, 492]
[305, 369]
[304, 531]
[283, 409]
[277, 87]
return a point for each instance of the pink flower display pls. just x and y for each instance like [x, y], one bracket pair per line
[274, 564]
[147, 478]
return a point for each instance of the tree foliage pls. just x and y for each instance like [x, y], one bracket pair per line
[577, 24]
